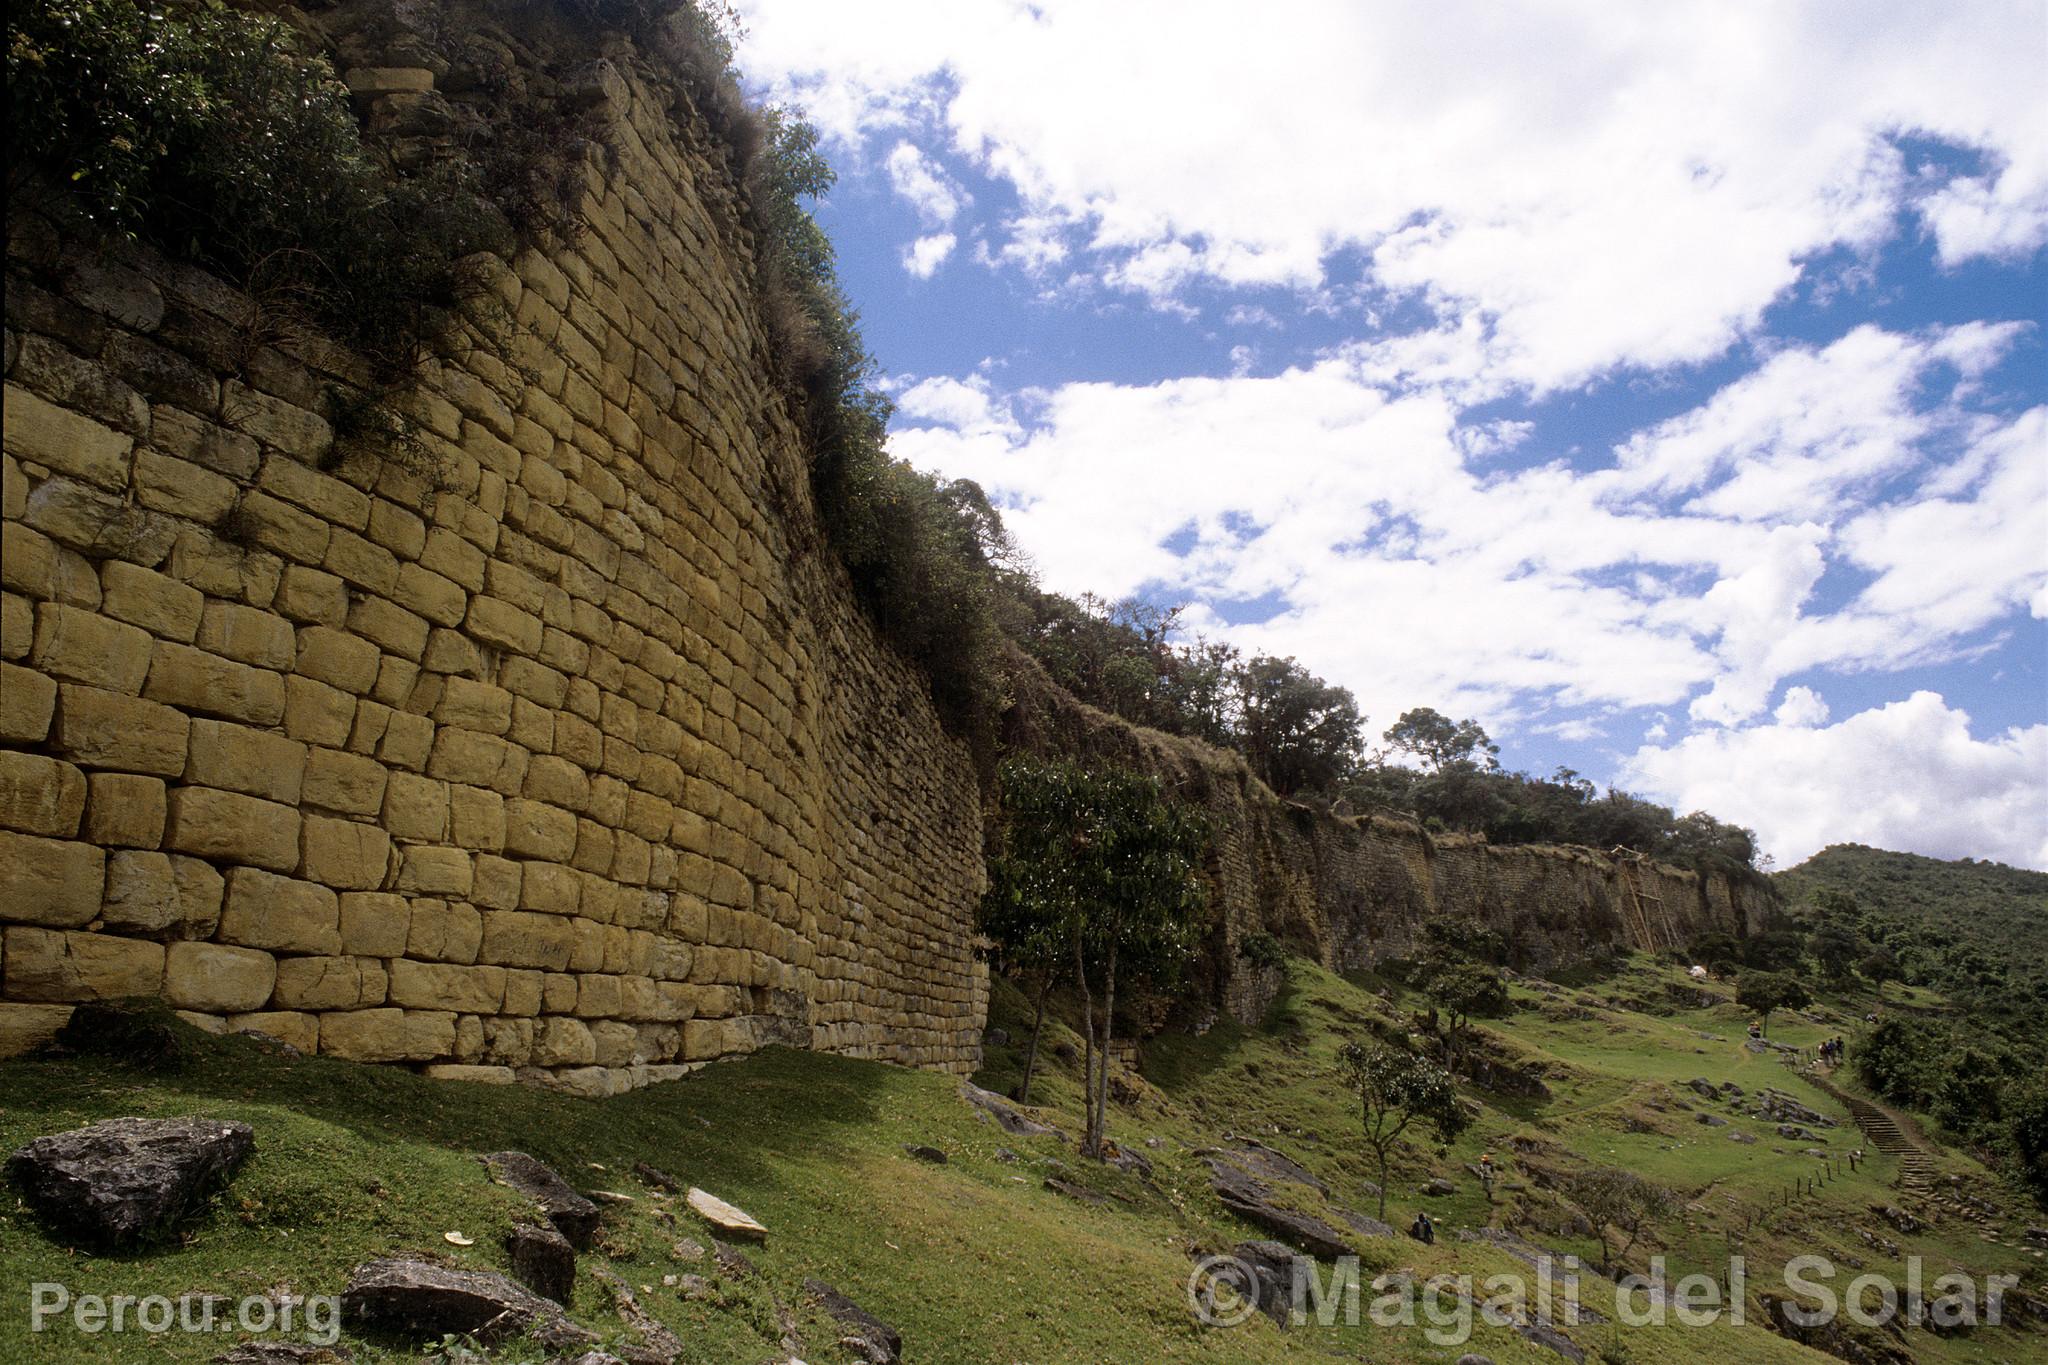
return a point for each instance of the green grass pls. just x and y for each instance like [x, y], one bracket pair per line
[975, 1261]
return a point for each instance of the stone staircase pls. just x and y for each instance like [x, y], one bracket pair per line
[1916, 1168]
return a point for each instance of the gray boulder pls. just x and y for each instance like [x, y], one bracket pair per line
[420, 1300]
[117, 1182]
[573, 1216]
[543, 1261]
[872, 1339]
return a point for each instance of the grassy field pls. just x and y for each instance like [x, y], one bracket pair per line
[976, 1260]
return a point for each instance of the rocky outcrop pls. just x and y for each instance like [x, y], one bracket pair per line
[119, 1182]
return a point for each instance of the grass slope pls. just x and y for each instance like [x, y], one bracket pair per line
[975, 1260]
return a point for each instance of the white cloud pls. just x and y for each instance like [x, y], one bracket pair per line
[1574, 187]
[924, 256]
[1801, 709]
[1907, 776]
[934, 194]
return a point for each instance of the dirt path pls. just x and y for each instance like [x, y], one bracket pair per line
[1890, 1134]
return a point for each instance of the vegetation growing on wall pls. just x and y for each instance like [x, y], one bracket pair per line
[217, 136]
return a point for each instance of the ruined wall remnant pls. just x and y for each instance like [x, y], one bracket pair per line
[552, 743]
[1355, 891]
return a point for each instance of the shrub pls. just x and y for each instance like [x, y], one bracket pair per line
[216, 136]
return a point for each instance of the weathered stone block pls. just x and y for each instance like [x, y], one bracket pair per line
[315, 713]
[501, 624]
[101, 729]
[51, 965]
[194, 680]
[562, 1042]
[312, 596]
[346, 854]
[67, 442]
[337, 658]
[28, 701]
[291, 1027]
[387, 1035]
[25, 1028]
[217, 979]
[231, 827]
[237, 758]
[416, 808]
[514, 938]
[124, 810]
[181, 488]
[440, 932]
[152, 601]
[344, 782]
[200, 892]
[280, 913]
[40, 795]
[536, 830]
[440, 985]
[375, 924]
[329, 983]
[142, 895]
[261, 639]
[434, 871]
[83, 647]
[50, 882]
[274, 422]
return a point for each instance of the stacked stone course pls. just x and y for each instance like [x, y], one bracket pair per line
[550, 745]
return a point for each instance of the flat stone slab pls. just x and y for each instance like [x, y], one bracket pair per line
[420, 1300]
[1249, 1198]
[573, 1216]
[875, 1340]
[727, 1218]
[118, 1181]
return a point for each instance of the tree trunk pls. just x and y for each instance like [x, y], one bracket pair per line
[1381, 1152]
[1095, 1134]
[1031, 1048]
[1088, 1053]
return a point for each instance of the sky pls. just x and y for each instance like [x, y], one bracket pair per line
[1662, 385]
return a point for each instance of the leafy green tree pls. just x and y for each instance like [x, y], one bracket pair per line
[1717, 950]
[1105, 864]
[1464, 991]
[1298, 732]
[1836, 947]
[1774, 950]
[1878, 966]
[1966, 1097]
[1395, 1088]
[1766, 992]
[1442, 743]
[2027, 1137]
[1618, 1201]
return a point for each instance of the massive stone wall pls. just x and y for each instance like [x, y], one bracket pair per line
[1356, 890]
[547, 742]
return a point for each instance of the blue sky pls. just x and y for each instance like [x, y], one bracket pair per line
[1663, 386]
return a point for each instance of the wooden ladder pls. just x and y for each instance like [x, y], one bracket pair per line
[1637, 899]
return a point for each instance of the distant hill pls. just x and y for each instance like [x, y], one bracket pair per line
[1977, 931]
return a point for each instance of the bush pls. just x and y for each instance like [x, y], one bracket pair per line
[215, 136]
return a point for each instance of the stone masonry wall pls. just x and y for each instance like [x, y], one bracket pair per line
[1353, 891]
[549, 744]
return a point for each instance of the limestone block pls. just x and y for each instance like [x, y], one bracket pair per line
[200, 892]
[92, 521]
[101, 729]
[471, 705]
[537, 830]
[501, 624]
[315, 713]
[262, 639]
[477, 760]
[558, 993]
[26, 1028]
[302, 434]
[40, 431]
[429, 595]
[40, 795]
[295, 1029]
[232, 827]
[476, 818]
[559, 1041]
[216, 979]
[432, 870]
[364, 563]
[194, 680]
[549, 888]
[329, 983]
[496, 883]
[155, 602]
[337, 658]
[387, 1035]
[416, 808]
[325, 496]
[346, 854]
[254, 762]
[181, 488]
[124, 810]
[391, 627]
[375, 924]
[142, 895]
[52, 965]
[438, 985]
[474, 1074]
[28, 563]
[556, 781]
[312, 596]
[441, 932]
[267, 911]
[344, 782]
[84, 647]
[522, 992]
[50, 882]
[28, 701]
[516, 938]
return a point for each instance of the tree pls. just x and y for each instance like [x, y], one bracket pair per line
[1111, 869]
[1765, 992]
[1031, 932]
[1395, 1087]
[1716, 950]
[1442, 743]
[2027, 1135]
[1621, 1201]
[1835, 946]
[1878, 966]
[1464, 990]
[1298, 732]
